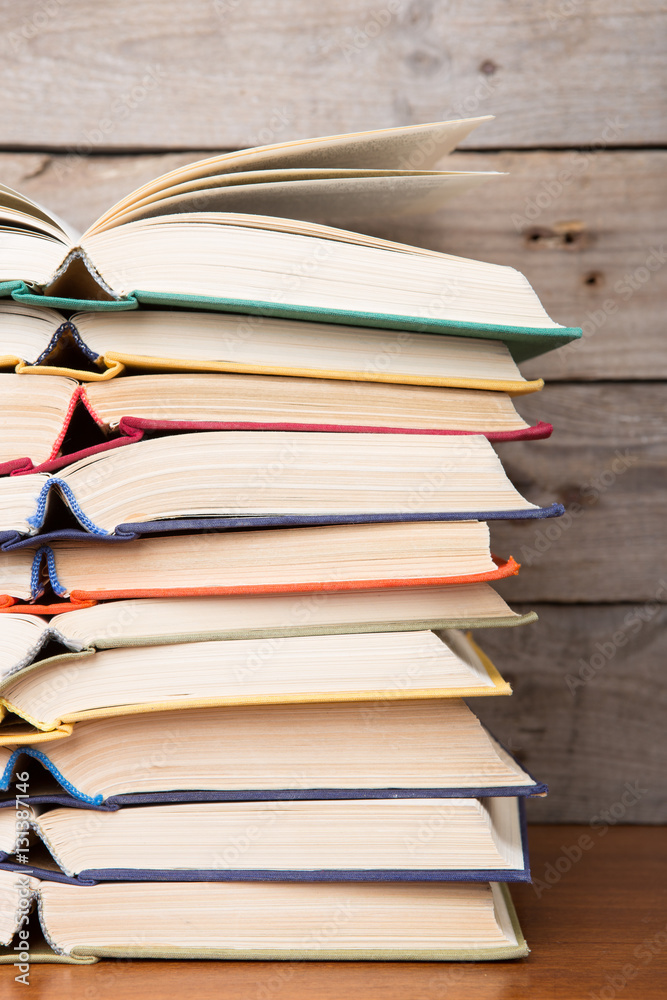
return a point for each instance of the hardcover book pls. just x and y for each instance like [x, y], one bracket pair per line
[51, 693]
[39, 416]
[97, 346]
[145, 622]
[214, 479]
[419, 921]
[255, 752]
[333, 558]
[327, 840]
[188, 239]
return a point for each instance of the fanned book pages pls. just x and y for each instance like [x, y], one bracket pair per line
[429, 921]
[212, 479]
[340, 178]
[240, 237]
[146, 622]
[338, 840]
[289, 560]
[39, 416]
[255, 752]
[51, 693]
[97, 346]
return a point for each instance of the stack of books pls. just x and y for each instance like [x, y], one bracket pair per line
[247, 473]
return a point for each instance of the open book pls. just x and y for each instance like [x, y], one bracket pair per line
[69, 687]
[215, 479]
[160, 620]
[41, 418]
[318, 840]
[242, 233]
[255, 752]
[342, 557]
[97, 346]
[425, 921]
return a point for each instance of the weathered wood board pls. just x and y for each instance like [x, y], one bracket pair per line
[588, 231]
[229, 73]
[587, 715]
[607, 464]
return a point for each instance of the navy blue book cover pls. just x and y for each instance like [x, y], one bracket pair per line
[93, 876]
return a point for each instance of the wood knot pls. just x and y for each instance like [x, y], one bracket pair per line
[561, 236]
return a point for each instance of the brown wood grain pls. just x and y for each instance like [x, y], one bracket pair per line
[230, 73]
[607, 464]
[587, 711]
[582, 252]
[596, 929]
[587, 230]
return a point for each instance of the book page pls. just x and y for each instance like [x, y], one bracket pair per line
[412, 147]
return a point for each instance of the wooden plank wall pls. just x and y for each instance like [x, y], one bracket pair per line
[97, 99]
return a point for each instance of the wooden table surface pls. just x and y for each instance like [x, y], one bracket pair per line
[598, 930]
